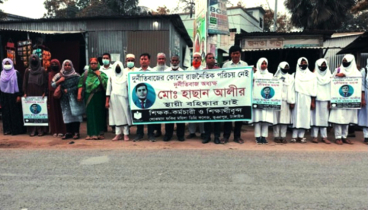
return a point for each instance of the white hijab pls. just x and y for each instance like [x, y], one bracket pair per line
[351, 70]
[118, 78]
[323, 81]
[323, 77]
[305, 80]
[262, 74]
[279, 74]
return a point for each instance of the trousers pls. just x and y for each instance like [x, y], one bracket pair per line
[261, 129]
[341, 131]
[323, 132]
[298, 133]
[279, 131]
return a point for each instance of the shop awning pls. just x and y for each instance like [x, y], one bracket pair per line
[290, 48]
[358, 45]
[42, 32]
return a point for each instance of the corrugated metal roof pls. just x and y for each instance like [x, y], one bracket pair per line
[290, 48]
[44, 32]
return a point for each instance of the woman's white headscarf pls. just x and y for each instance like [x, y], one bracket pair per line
[351, 70]
[279, 74]
[305, 80]
[323, 77]
[262, 74]
[323, 81]
[118, 78]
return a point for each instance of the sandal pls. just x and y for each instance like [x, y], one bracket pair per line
[40, 134]
[346, 141]
[76, 136]
[315, 140]
[60, 135]
[66, 136]
[126, 138]
[100, 137]
[326, 141]
[55, 135]
[88, 138]
[117, 138]
[94, 138]
[338, 141]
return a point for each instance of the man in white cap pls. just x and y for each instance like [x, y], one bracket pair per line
[129, 60]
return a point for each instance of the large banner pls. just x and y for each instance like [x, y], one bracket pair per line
[191, 96]
[267, 94]
[200, 28]
[35, 111]
[217, 17]
[346, 93]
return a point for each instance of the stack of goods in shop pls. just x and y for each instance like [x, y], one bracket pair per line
[24, 51]
[46, 59]
[10, 51]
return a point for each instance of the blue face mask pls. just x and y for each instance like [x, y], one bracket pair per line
[105, 62]
[130, 64]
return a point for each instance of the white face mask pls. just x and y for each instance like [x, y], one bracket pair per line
[174, 67]
[8, 67]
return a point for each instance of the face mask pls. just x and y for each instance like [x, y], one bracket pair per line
[284, 71]
[303, 67]
[105, 62]
[8, 67]
[323, 68]
[34, 62]
[196, 64]
[118, 69]
[346, 64]
[174, 67]
[130, 64]
[55, 68]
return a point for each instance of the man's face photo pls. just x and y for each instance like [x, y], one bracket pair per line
[345, 89]
[266, 91]
[141, 92]
[34, 108]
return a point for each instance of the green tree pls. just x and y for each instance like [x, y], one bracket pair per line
[318, 14]
[88, 8]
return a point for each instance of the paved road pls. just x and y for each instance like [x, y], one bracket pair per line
[182, 179]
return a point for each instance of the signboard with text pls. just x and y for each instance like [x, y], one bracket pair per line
[346, 92]
[267, 94]
[35, 111]
[191, 96]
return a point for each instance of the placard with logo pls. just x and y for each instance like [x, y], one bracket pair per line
[267, 94]
[35, 111]
[346, 92]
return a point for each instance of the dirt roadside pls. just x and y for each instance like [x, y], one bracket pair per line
[49, 142]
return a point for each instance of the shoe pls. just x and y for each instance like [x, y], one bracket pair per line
[259, 140]
[346, 141]
[224, 140]
[303, 140]
[277, 140]
[158, 134]
[192, 135]
[292, 140]
[152, 138]
[315, 140]
[217, 140]
[206, 140]
[166, 138]
[326, 141]
[181, 138]
[238, 140]
[138, 138]
[283, 140]
[338, 141]
[264, 140]
[203, 136]
[366, 141]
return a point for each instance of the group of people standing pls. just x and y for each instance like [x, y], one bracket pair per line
[305, 99]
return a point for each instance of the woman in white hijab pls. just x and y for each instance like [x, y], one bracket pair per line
[305, 90]
[363, 112]
[341, 118]
[282, 118]
[262, 118]
[319, 116]
[117, 102]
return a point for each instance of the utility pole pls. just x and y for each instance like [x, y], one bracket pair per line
[191, 8]
[275, 18]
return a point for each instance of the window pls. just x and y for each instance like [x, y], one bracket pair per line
[260, 22]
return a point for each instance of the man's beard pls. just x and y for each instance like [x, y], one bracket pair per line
[161, 67]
